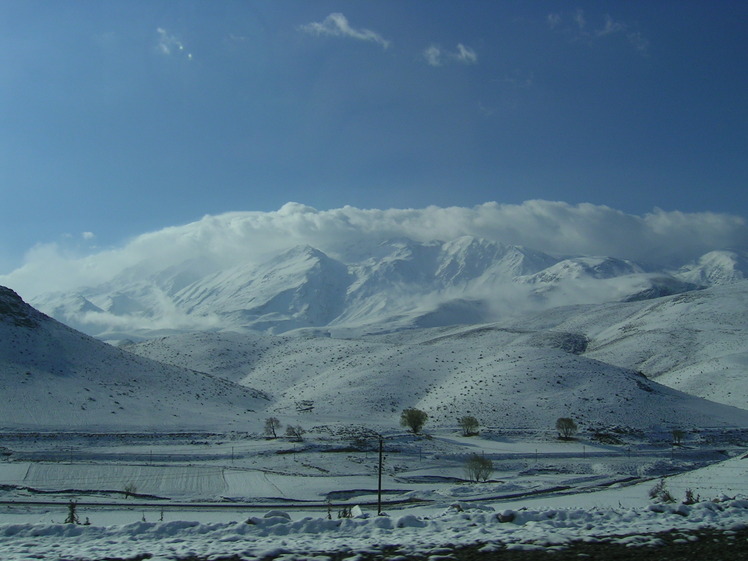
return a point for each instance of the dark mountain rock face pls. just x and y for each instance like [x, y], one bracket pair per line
[14, 310]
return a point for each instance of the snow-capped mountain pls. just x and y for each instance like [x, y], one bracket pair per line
[522, 375]
[389, 286]
[55, 378]
[301, 287]
[716, 267]
[584, 268]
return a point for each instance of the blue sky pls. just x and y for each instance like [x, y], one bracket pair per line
[123, 117]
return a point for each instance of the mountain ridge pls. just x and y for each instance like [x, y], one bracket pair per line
[521, 374]
[397, 284]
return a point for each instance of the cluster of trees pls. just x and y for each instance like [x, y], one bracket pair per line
[477, 467]
[414, 419]
[273, 426]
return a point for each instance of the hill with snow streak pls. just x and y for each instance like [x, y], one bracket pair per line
[364, 289]
[506, 378]
[55, 378]
[696, 342]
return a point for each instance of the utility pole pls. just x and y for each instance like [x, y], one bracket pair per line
[379, 485]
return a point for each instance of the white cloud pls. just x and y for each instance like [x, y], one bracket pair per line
[465, 54]
[88, 235]
[554, 20]
[610, 27]
[518, 80]
[336, 25]
[169, 44]
[579, 18]
[434, 55]
[554, 227]
[638, 41]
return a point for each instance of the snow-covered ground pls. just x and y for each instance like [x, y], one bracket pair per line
[234, 494]
[105, 428]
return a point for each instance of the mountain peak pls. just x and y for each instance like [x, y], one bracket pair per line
[303, 251]
[369, 286]
[717, 267]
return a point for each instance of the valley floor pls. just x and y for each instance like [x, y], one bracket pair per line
[234, 496]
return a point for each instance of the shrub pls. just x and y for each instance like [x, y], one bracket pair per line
[691, 498]
[414, 419]
[659, 493]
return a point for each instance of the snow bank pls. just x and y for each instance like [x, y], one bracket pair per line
[277, 532]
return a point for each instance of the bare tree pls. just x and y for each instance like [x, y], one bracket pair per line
[414, 419]
[469, 425]
[130, 489]
[566, 428]
[271, 426]
[478, 468]
[295, 432]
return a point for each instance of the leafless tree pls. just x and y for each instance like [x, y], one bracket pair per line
[271, 426]
[478, 468]
[295, 432]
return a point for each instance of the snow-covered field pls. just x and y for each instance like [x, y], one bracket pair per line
[237, 494]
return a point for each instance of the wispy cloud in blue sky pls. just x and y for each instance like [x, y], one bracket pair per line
[437, 56]
[169, 44]
[336, 25]
[578, 28]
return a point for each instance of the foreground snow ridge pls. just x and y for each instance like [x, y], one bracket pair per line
[276, 534]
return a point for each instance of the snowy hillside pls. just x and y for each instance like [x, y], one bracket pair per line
[53, 378]
[505, 378]
[368, 288]
[695, 342]
[580, 362]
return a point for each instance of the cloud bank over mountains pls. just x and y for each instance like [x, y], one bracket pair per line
[667, 238]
